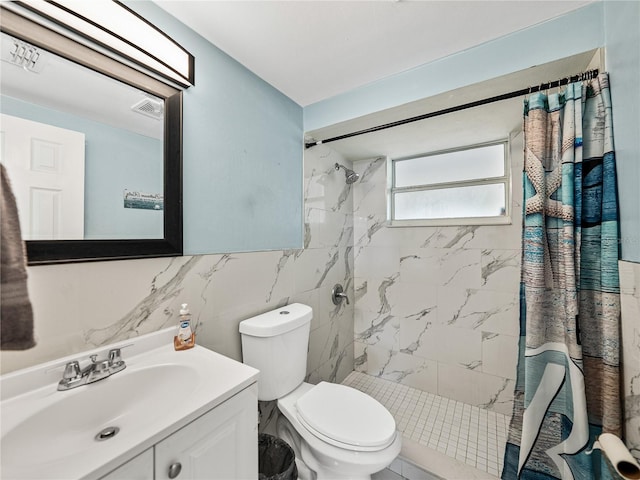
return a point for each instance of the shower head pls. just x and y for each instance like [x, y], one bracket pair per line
[350, 175]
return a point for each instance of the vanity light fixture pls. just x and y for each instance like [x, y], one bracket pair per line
[114, 29]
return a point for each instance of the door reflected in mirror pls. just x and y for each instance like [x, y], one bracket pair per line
[84, 152]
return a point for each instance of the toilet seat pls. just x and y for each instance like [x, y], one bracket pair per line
[345, 417]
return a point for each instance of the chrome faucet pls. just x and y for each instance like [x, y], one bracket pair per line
[74, 377]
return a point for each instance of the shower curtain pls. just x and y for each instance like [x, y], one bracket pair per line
[567, 389]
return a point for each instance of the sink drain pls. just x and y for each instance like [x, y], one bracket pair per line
[107, 433]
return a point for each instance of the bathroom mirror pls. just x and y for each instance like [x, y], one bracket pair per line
[128, 183]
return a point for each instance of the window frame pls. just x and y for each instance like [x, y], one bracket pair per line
[506, 179]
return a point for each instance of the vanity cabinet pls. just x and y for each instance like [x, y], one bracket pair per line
[138, 468]
[221, 444]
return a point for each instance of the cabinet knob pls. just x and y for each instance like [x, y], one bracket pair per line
[174, 470]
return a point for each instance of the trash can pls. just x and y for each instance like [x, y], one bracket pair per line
[276, 460]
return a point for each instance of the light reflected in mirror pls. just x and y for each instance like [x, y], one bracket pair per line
[84, 151]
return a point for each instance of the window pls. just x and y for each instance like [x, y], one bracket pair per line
[465, 186]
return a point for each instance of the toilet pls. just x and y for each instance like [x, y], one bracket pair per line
[337, 432]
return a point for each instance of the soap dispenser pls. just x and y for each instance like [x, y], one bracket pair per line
[185, 338]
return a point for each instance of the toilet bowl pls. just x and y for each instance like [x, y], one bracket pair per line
[337, 432]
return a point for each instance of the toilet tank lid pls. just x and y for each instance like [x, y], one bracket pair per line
[277, 321]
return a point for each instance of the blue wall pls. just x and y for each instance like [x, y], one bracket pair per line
[115, 159]
[622, 30]
[242, 152]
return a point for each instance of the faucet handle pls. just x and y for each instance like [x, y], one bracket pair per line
[71, 371]
[115, 360]
[115, 357]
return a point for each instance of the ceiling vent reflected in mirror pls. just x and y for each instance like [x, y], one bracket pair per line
[24, 55]
[149, 108]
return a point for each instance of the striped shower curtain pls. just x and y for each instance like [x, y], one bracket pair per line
[567, 389]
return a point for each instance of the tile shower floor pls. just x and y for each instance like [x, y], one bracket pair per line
[471, 435]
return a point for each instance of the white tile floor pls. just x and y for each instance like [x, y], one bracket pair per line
[471, 435]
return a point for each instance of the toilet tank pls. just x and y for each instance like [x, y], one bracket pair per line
[276, 343]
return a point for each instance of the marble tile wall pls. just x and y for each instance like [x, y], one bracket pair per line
[84, 305]
[437, 307]
[630, 303]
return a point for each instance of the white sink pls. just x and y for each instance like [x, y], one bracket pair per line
[46, 433]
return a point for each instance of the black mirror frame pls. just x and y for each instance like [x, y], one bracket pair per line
[44, 252]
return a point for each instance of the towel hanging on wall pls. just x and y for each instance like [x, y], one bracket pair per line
[16, 313]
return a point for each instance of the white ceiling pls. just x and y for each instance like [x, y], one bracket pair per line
[312, 50]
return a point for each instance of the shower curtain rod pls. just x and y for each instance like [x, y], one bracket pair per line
[518, 93]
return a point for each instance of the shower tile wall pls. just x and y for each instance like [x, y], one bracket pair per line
[630, 303]
[437, 307]
[80, 306]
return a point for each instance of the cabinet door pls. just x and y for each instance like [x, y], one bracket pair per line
[220, 445]
[138, 468]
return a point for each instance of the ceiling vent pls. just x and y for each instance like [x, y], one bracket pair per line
[149, 107]
[23, 55]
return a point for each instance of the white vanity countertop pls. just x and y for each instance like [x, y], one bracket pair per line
[49, 434]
